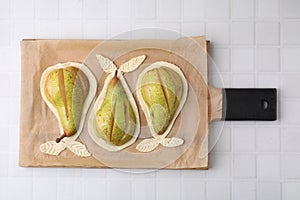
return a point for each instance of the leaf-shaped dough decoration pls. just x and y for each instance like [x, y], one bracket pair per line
[77, 148]
[107, 65]
[172, 142]
[132, 64]
[52, 147]
[148, 145]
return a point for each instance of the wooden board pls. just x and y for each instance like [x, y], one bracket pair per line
[38, 124]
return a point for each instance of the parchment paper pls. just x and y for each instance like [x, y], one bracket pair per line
[38, 124]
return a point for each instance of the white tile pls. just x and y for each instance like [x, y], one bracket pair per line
[290, 33]
[44, 172]
[217, 9]
[120, 9]
[243, 166]
[243, 8]
[291, 190]
[44, 188]
[5, 9]
[95, 30]
[5, 85]
[71, 9]
[14, 170]
[24, 186]
[268, 191]
[217, 33]
[70, 30]
[267, 33]
[4, 109]
[4, 134]
[290, 59]
[9, 59]
[242, 123]
[3, 188]
[15, 83]
[168, 174]
[288, 85]
[168, 30]
[267, 139]
[242, 33]
[268, 166]
[95, 9]
[243, 190]
[12, 138]
[3, 165]
[290, 8]
[219, 80]
[243, 139]
[192, 190]
[69, 173]
[23, 31]
[145, 29]
[193, 10]
[140, 174]
[290, 166]
[218, 190]
[169, 9]
[193, 174]
[94, 188]
[168, 189]
[24, 9]
[193, 28]
[5, 32]
[290, 112]
[14, 108]
[242, 60]
[219, 139]
[220, 60]
[48, 9]
[94, 173]
[45, 29]
[242, 81]
[144, 9]
[69, 188]
[119, 30]
[219, 166]
[291, 140]
[143, 189]
[119, 173]
[268, 8]
[268, 59]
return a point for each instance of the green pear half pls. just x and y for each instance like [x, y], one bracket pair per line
[162, 92]
[68, 89]
[115, 120]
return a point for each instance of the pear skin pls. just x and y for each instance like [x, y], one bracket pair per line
[115, 121]
[66, 89]
[161, 91]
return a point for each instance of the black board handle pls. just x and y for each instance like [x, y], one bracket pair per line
[249, 104]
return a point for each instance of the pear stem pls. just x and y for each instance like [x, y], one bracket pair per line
[60, 138]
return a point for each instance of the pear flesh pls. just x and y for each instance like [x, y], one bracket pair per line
[67, 89]
[115, 121]
[161, 90]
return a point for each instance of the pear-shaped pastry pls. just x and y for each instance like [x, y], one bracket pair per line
[114, 123]
[162, 92]
[68, 89]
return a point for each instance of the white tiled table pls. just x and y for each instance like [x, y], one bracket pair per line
[255, 43]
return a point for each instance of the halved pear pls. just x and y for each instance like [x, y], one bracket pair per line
[67, 90]
[162, 92]
[115, 121]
